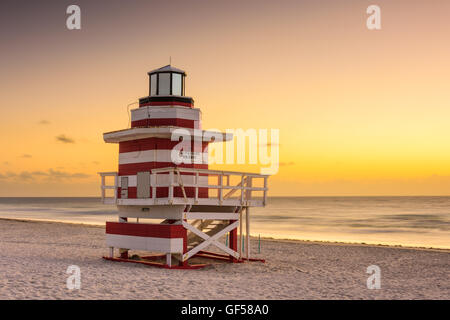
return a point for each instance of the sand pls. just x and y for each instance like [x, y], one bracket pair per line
[35, 257]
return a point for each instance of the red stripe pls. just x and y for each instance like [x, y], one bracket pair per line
[132, 193]
[177, 122]
[167, 103]
[133, 168]
[146, 230]
[153, 143]
[162, 192]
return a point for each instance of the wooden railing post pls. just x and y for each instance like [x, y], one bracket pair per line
[249, 189]
[196, 187]
[247, 232]
[220, 190]
[265, 190]
[116, 184]
[153, 185]
[242, 189]
[240, 232]
[171, 183]
[103, 188]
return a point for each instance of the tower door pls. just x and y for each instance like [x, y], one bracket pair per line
[143, 185]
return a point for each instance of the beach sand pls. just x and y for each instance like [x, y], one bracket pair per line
[35, 257]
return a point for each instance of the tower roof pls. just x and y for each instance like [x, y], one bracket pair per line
[167, 68]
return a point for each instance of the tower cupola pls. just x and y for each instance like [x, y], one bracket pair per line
[167, 81]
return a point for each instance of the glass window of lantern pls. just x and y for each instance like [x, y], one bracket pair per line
[164, 84]
[176, 84]
[153, 83]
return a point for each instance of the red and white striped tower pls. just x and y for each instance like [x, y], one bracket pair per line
[150, 184]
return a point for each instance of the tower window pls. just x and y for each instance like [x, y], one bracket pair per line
[176, 84]
[153, 84]
[164, 84]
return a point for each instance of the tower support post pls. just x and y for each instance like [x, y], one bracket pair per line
[247, 232]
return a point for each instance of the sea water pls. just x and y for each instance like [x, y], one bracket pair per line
[406, 221]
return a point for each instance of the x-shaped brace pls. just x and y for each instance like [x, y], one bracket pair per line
[210, 240]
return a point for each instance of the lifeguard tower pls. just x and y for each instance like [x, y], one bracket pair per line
[195, 207]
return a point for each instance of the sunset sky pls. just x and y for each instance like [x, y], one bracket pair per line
[360, 112]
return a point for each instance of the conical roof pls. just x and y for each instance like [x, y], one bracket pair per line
[167, 68]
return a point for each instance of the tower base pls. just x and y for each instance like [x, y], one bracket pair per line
[153, 260]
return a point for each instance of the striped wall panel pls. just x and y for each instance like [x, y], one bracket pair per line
[146, 230]
[162, 192]
[134, 168]
[165, 116]
[160, 156]
[155, 143]
[148, 237]
[145, 243]
[166, 100]
[164, 179]
[165, 112]
[165, 103]
[166, 122]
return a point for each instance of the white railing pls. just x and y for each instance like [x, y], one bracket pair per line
[241, 194]
[104, 187]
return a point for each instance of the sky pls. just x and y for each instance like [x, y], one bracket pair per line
[360, 112]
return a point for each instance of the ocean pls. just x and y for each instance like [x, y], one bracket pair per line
[405, 221]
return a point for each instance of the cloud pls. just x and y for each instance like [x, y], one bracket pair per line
[26, 156]
[44, 122]
[39, 173]
[57, 174]
[62, 138]
[49, 175]
[8, 175]
[25, 176]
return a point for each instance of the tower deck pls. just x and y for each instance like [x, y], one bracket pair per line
[176, 178]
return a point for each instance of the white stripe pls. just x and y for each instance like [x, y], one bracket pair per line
[165, 113]
[174, 245]
[163, 179]
[163, 155]
[132, 181]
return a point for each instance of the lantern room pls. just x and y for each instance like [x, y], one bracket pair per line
[167, 81]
